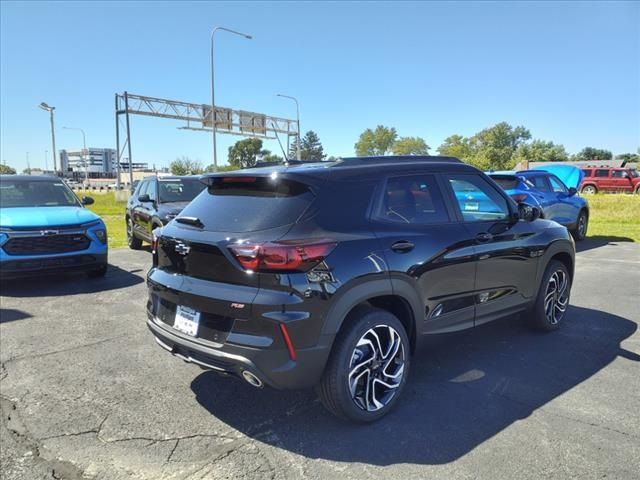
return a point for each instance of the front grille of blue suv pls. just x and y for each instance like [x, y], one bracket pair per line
[326, 275]
[44, 229]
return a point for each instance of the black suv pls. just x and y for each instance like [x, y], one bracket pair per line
[327, 274]
[154, 202]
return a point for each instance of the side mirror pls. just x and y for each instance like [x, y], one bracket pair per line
[144, 198]
[528, 212]
[572, 191]
[87, 201]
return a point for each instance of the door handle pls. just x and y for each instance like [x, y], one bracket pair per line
[484, 237]
[402, 246]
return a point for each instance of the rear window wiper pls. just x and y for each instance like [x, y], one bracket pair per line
[195, 221]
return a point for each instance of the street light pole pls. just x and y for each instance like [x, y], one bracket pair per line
[213, 97]
[297, 121]
[84, 153]
[50, 109]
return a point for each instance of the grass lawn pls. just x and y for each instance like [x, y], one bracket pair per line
[614, 217]
[112, 212]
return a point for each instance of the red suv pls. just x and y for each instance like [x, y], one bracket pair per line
[608, 179]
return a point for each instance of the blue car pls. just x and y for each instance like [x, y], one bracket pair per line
[554, 190]
[44, 228]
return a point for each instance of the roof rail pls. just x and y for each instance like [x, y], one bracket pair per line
[395, 158]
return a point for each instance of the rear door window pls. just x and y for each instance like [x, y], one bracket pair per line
[556, 185]
[618, 173]
[248, 204]
[540, 183]
[602, 173]
[412, 199]
[477, 200]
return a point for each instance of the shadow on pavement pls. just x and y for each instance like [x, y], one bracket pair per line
[70, 283]
[11, 315]
[464, 388]
[598, 241]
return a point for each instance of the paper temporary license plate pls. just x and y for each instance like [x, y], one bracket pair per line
[473, 206]
[187, 320]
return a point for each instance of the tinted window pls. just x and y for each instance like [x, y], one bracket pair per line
[414, 199]
[477, 199]
[25, 193]
[556, 185]
[602, 173]
[248, 204]
[587, 172]
[152, 190]
[179, 190]
[618, 174]
[506, 182]
[143, 188]
[540, 183]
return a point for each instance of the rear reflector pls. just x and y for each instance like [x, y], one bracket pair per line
[298, 256]
[287, 341]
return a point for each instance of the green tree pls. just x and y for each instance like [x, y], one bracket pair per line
[271, 158]
[410, 146]
[311, 149]
[627, 157]
[7, 170]
[541, 151]
[494, 147]
[376, 142]
[245, 152]
[185, 166]
[491, 148]
[456, 146]
[221, 168]
[590, 153]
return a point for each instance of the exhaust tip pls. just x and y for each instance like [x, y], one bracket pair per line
[251, 379]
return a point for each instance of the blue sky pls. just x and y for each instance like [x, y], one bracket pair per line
[570, 72]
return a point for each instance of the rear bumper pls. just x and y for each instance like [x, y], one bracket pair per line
[272, 366]
[17, 266]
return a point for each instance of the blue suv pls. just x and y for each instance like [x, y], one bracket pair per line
[554, 190]
[44, 228]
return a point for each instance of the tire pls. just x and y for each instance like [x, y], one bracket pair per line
[98, 272]
[582, 224]
[589, 189]
[387, 361]
[133, 242]
[556, 279]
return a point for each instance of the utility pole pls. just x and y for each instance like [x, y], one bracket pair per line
[50, 109]
[297, 121]
[213, 97]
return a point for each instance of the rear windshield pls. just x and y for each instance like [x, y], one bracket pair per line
[248, 204]
[24, 193]
[179, 190]
[511, 182]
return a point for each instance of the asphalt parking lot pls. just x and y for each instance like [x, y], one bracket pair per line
[86, 393]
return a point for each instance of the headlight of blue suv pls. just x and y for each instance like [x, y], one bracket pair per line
[101, 233]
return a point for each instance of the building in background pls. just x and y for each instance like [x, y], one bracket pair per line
[100, 163]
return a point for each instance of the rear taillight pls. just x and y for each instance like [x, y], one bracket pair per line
[294, 256]
[519, 197]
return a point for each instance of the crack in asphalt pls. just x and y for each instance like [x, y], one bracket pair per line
[559, 415]
[62, 350]
[11, 421]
